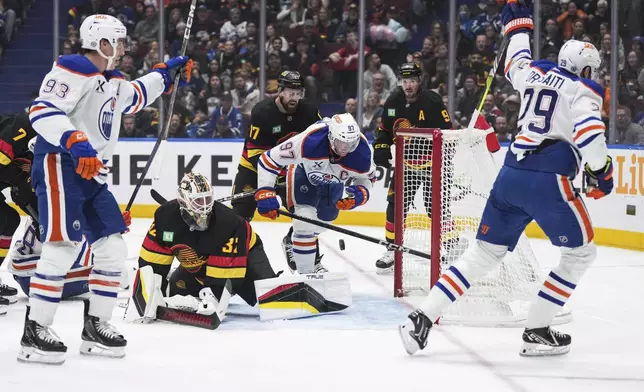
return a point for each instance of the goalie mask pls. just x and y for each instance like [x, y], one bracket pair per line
[344, 134]
[195, 197]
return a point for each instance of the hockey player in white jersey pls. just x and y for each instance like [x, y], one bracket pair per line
[559, 126]
[77, 116]
[321, 160]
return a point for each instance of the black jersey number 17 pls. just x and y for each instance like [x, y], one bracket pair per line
[254, 132]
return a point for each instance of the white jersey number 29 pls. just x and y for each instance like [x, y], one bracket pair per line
[542, 110]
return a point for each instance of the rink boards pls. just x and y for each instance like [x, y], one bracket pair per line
[618, 218]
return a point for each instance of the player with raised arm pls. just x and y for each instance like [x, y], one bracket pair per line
[273, 121]
[321, 162]
[77, 117]
[559, 126]
[408, 106]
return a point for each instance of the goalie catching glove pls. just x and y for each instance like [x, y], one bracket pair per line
[357, 195]
[600, 181]
[150, 304]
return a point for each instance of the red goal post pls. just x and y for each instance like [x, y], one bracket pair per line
[442, 179]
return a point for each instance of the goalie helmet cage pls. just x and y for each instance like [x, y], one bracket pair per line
[450, 173]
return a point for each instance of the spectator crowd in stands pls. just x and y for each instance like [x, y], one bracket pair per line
[12, 15]
[319, 38]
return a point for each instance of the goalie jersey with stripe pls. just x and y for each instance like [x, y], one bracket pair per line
[556, 106]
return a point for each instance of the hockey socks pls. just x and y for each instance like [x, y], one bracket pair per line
[477, 261]
[304, 252]
[104, 287]
[552, 296]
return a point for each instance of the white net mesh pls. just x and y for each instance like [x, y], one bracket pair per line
[468, 171]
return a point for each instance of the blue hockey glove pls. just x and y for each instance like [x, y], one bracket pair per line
[267, 203]
[601, 181]
[85, 157]
[357, 196]
[516, 17]
[169, 69]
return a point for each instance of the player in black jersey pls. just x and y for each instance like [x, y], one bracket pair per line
[408, 106]
[211, 242]
[15, 169]
[273, 121]
[219, 255]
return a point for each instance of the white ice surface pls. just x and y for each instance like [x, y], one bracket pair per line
[358, 350]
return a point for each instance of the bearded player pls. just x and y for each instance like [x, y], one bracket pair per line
[560, 127]
[273, 121]
[408, 106]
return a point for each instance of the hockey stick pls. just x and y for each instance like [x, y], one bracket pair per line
[163, 136]
[351, 233]
[490, 77]
[162, 200]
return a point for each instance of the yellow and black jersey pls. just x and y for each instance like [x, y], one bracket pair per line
[428, 111]
[269, 127]
[213, 255]
[15, 134]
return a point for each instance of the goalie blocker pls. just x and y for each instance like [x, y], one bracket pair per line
[219, 255]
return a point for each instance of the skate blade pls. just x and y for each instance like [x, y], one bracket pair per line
[384, 271]
[101, 350]
[33, 355]
[541, 350]
[409, 344]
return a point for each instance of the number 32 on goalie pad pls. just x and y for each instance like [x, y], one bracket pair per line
[291, 297]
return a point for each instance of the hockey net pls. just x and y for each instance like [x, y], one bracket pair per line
[450, 173]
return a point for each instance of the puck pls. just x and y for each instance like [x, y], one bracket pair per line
[341, 244]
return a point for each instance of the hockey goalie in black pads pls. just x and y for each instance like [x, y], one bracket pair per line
[408, 106]
[273, 121]
[219, 255]
[15, 173]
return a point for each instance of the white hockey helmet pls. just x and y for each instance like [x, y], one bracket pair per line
[575, 56]
[344, 133]
[195, 197]
[98, 27]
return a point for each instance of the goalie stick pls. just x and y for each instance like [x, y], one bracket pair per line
[159, 146]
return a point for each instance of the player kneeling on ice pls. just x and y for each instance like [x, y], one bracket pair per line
[219, 255]
[560, 124]
[323, 159]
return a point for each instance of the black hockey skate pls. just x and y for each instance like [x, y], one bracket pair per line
[7, 294]
[101, 338]
[40, 344]
[415, 331]
[385, 264]
[540, 342]
[287, 247]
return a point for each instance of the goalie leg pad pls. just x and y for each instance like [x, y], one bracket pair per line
[291, 297]
[146, 294]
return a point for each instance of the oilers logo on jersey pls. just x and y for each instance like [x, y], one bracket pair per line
[319, 178]
[106, 117]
